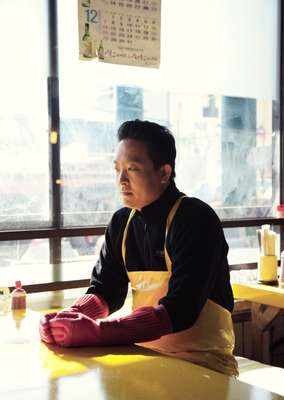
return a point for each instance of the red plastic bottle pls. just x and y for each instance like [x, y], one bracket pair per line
[18, 297]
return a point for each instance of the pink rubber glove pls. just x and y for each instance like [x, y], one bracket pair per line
[74, 329]
[144, 324]
[44, 330]
[91, 305]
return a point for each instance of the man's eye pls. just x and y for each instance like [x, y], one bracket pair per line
[132, 169]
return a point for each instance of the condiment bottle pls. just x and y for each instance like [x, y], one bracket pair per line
[280, 211]
[18, 297]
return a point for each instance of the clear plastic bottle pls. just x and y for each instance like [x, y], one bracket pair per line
[18, 297]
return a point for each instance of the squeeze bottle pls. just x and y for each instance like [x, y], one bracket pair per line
[18, 297]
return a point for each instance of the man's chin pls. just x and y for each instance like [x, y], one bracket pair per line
[128, 202]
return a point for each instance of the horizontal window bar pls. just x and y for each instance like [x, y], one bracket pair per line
[51, 286]
[100, 230]
[51, 232]
[238, 223]
[236, 267]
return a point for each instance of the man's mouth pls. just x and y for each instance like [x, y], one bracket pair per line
[125, 193]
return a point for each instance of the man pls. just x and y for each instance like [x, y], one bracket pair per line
[172, 250]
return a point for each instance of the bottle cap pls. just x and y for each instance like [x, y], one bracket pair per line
[18, 284]
[280, 207]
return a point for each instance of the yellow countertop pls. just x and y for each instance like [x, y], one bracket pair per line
[31, 369]
[259, 293]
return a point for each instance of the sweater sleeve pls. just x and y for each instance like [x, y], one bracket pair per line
[198, 251]
[109, 278]
[75, 329]
[142, 325]
[92, 305]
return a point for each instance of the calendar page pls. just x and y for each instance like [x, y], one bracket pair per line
[120, 31]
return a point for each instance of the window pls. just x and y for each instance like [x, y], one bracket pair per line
[24, 159]
[217, 89]
[221, 103]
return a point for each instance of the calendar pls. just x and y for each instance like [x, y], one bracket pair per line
[120, 31]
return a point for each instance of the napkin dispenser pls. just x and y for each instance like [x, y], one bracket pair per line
[267, 261]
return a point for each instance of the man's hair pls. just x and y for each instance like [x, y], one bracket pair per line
[158, 139]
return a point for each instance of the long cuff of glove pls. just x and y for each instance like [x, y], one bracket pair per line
[143, 325]
[91, 305]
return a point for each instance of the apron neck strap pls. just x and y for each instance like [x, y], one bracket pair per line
[172, 214]
[123, 246]
[169, 221]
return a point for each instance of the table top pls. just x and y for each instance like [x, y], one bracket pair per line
[31, 369]
[260, 293]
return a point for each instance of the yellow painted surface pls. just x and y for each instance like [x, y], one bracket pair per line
[264, 294]
[32, 370]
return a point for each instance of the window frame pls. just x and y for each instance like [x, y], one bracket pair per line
[57, 231]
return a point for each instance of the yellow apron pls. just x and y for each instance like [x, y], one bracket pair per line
[209, 342]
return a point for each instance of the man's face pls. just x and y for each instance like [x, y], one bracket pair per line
[138, 181]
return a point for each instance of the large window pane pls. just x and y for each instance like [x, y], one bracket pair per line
[228, 152]
[81, 248]
[23, 252]
[216, 89]
[24, 173]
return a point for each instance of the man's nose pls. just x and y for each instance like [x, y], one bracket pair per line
[123, 177]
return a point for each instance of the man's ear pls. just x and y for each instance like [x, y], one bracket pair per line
[166, 172]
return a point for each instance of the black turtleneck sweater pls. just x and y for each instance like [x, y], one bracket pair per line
[196, 246]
